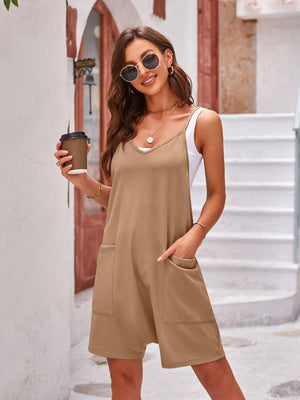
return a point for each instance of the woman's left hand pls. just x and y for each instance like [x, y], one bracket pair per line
[184, 247]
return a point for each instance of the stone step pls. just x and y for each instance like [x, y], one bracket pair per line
[249, 274]
[247, 219]
[264, 170]
[257, 124]
[246, 245]
[260, 147]
[249, 194]
[253, 307]
[255, 170]
[246, 259]
[252, 292]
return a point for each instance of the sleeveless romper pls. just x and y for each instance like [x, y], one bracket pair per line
[138, 300]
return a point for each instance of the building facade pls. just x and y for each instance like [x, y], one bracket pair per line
[237, 66]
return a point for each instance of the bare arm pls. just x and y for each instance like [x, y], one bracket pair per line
[209, 141]
[89, 186]
[83, 182]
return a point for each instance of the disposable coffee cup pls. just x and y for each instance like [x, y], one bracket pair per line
[76, 145]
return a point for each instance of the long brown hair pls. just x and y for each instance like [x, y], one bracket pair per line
[127, 108]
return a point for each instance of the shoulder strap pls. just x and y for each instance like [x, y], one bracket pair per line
[191, 116]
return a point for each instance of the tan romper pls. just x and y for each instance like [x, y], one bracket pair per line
[136, 299]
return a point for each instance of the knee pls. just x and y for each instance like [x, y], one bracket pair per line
[124, 382]
[217, 379]
[126, 378]
[215, 376]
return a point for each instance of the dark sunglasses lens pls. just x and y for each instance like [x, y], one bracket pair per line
[129, 73]
[151, 61]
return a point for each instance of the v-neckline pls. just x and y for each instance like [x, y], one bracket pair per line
[167, 140]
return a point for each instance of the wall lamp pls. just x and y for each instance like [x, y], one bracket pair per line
[82, 67]
[89, 80]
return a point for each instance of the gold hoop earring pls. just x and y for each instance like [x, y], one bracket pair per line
[172, 70]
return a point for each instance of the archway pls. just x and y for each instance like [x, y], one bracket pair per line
[97, 42]
[123, 12]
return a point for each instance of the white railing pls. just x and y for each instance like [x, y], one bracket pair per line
[297, 178]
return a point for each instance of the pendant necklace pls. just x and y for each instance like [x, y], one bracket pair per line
[150, 138]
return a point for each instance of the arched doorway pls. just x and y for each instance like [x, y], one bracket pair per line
[97, 42]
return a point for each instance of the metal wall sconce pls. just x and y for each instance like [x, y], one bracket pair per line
[85, 67]
[89, 80]
[82, 67]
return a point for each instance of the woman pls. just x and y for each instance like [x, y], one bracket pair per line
[148, 285]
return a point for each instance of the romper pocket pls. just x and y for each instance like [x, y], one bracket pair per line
[103, 301]
[185, 295]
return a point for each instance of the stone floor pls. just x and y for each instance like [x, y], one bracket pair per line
[264, 359]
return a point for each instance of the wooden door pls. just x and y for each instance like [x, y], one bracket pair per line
[208, 60]
[97, 42]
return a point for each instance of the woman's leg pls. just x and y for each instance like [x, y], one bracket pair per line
[126, 378]
[218, 380]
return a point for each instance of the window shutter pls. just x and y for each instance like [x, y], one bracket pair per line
[71, 22]
[159, 8]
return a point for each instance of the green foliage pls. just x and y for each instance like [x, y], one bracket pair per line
[7, 3]
[15, 2]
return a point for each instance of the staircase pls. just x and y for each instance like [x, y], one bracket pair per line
[247, 257]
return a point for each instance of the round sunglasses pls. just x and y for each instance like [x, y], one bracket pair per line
[130, 72]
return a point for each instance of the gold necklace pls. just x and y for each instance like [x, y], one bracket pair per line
[164, 109]
[150, 138]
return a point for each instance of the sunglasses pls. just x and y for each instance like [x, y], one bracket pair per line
[130, 72]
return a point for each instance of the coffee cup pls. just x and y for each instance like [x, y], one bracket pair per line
[76, 145]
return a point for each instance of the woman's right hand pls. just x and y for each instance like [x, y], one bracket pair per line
[62, 157]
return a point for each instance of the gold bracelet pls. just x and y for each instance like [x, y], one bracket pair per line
[97, 193]
[202, 226]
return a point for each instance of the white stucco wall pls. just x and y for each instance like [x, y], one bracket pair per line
[278, 64]
[36, 236]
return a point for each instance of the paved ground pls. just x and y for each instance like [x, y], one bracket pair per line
[261, 358]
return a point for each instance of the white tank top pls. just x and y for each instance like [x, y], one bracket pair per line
[195, 157]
